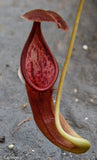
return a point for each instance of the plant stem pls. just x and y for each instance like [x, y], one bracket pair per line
[74, 140]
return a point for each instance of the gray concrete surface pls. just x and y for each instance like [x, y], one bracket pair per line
[79, 109]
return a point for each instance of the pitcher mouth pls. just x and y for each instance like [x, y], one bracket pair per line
[38, 65]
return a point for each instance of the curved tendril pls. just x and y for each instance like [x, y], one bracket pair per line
[78, 141]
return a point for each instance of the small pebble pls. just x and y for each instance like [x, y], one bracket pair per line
[11, 146]
[64, 154]
[33, 150]
[85, 47]
[76, 100]
[75, 90]
[91, 100]
[70, 155]
[86, 118]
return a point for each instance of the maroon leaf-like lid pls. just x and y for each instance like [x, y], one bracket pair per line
[40, 15]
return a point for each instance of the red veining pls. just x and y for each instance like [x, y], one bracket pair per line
[38, 65]
[43, 111]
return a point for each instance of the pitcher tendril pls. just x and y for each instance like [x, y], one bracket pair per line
[77, 141]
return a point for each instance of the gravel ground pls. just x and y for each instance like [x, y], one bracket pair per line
[79, 98]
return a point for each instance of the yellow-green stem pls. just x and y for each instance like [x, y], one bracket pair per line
[78, 141]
